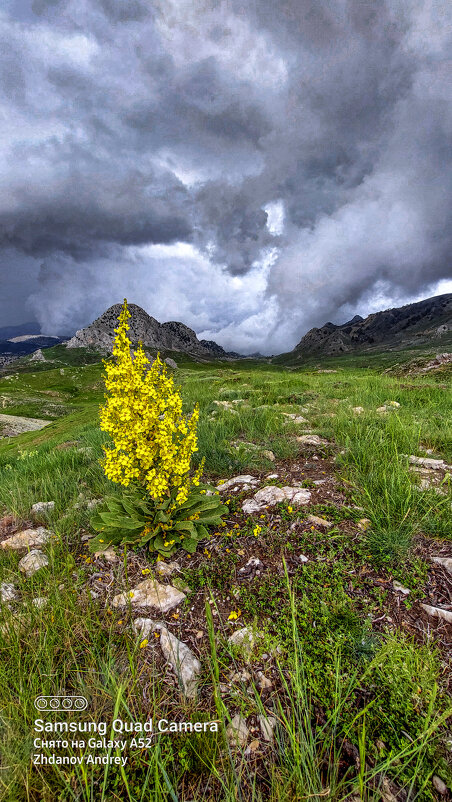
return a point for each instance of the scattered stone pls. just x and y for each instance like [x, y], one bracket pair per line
[427, 462]
[295, 418]
[252, 747]
[303, 558]
[252, 568]
[439, 785]
[143, 626]
[270, 495]
[42, 507]
[40, 602]
[171, 363]
[243, 640]
[237, 480]
[108, 554]
[312, 440]
[267, 725]
[446, 562]
[150, 594]
[358, 410]
[364, 524]
[7, 592]
[394, 404]
[93, 503]
[183, 662]
[264, 683]
[33, 562]
[272, 476]
[399, 588]
[269, 455]
[27, 539]
[437, 612]
[238, 732]
[166, 569]
[314, 519]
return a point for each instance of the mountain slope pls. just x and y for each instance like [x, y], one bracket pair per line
[171, 336]
[427, 322]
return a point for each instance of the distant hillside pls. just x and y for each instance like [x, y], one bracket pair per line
[425, 323]
[172, 336]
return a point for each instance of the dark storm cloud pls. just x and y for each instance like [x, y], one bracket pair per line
[142, 124]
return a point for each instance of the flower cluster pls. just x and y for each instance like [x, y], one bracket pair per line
[153, 442]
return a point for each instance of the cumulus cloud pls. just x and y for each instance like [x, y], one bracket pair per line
[247, 169]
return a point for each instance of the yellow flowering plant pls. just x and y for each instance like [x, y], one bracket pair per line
[163, 504]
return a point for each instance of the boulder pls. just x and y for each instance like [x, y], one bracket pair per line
[171, 363]
[184, 663]
[237, 480]
[270, 495]
[42, 507]
[438, 612]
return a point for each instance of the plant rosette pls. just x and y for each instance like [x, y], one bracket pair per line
[137, 520]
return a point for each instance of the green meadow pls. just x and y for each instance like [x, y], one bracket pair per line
[352, 672]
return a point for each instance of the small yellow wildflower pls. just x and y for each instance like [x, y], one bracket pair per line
[146, 571]
[234, 615]
[100, 541]
[289, 509]
[257, 530]
[144, 643]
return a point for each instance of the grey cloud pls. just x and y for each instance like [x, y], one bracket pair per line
[142, 123]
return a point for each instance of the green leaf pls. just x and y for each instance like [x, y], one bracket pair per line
[189, 544]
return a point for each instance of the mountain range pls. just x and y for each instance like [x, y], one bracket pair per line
[427, 322]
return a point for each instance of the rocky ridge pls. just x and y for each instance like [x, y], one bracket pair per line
[171, 336]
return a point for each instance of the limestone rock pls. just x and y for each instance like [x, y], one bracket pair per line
[27, 539]
[238, 732]
[7, 592]
[33, 562]
[183, 662]
[439, 785]
[243, 640]
[270, 495]
[312, 440]
[171, 363]
[150, 594]
[314, 519]
[267, 725]
[269, 455]
[437, 612]
[166, 569]
[42, 506]
[237, 480]
[358, 410]
[143, 626]
[446, 562]
[427, 462]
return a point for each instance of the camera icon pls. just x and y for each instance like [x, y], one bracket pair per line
[63, 703]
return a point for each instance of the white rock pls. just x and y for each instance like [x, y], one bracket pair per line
[270, 495]
[7, 592]
[183, 662]
[264, 682]
[382, 409]
[42, 506]
[437, 612]
[166, 569]
[273, 476]
[33, 562]
[314, 519]
[143, 626]
[295, 418]
[238, 732]
[92, 503]
[398, 587]
[446, 562]
[253, 562]
[427, 462]
[243, 640]
[312, 440]
[40, 602]
[171, 363]
[358, 410]
[267, 725]
[269, 455]
[27, 539]
[238, 480]
[150, 594]
[303, 558]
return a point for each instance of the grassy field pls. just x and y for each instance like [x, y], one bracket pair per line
[353, 672]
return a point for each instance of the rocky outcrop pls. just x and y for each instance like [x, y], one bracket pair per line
[427, 321]
[171, 336]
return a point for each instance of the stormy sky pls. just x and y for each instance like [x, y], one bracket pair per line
[250, 168]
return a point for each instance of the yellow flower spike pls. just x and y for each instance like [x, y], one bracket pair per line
[234, 615]
[144, 643]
